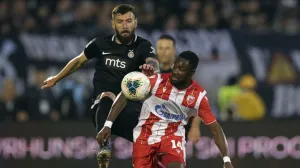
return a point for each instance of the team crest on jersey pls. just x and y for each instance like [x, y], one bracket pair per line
[130, 54]
[190, 99]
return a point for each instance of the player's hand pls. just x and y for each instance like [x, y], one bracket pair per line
[194, 134]
[49, 82]
[147, 69]
[228, 165]
[103, 135]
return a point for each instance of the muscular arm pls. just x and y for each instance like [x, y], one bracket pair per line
[71, 67]
[117, 107]
[219, 138]
[154, 63]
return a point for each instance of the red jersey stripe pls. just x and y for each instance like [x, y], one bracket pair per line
[146, 131]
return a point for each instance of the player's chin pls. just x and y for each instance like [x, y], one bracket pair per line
[126, 35]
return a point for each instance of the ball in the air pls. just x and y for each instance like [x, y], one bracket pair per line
[135, 86]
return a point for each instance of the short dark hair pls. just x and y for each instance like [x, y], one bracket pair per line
[122, 9]
[168, 37]
[191, 57]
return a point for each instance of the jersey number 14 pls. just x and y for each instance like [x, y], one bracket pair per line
[174, 145]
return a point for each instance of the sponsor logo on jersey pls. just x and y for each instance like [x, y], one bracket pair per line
[130, 54]
[115, 62]
[105, 53]
[162, 111]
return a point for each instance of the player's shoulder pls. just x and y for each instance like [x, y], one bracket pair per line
[103, 39]
[198, 87]
[140, 40]
[161, 77]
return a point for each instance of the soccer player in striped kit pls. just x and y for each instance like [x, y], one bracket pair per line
[174, 98]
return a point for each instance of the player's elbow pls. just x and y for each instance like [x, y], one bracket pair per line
[81, 59]
[215, 129]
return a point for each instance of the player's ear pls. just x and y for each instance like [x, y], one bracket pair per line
[135, 22]
[113, 24]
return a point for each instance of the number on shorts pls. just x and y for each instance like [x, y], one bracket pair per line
[174, 145]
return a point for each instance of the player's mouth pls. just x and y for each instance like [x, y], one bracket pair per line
[126, 33]
[174, 78]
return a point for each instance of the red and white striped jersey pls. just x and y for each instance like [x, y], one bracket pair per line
[167, 109]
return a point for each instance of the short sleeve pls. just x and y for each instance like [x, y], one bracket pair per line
[205, 113]
[93, 49]
[146, 50]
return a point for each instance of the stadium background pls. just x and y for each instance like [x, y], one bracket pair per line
[241, 44]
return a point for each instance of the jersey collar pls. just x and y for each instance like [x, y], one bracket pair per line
[113, 38]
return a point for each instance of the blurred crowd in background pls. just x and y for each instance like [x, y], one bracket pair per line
[72, 99]
[93, 16]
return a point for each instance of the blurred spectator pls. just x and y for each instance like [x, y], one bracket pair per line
[93, 17]
[40, 104]
[9, 103]
[248, 105]
[72, 99]
[226, 95]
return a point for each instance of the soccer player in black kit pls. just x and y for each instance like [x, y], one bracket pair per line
[116, 56]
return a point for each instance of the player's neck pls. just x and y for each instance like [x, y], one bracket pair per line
[166, 66]
[128, 43]
[183, 85]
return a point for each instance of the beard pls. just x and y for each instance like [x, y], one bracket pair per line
[125, 39]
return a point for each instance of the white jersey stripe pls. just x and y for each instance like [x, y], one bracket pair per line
[200, 97]
[180, 97]
[159, 129]
[138, 129]
[173, 95]
[158, 80]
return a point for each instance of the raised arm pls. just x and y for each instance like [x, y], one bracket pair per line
[92, 49]
[71, 67]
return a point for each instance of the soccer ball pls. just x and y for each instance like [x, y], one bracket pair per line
[135, 86]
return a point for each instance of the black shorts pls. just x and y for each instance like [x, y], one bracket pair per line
[126, 121]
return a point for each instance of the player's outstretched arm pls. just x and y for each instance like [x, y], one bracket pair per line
[71, 67]
[221, 142]
[115, 110]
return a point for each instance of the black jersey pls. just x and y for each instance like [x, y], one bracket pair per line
[115, 60]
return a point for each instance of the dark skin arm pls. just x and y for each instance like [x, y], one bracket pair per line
[220, 140]
[115, 110]
[118, 105]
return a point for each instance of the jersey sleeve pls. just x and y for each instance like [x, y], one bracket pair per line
[93, 48]
[205, 113]
[146, 50]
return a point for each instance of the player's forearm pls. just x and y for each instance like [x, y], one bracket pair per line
[154, 63]
[196, 122]
[117, 107]
[71, 67]
[219, 138]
